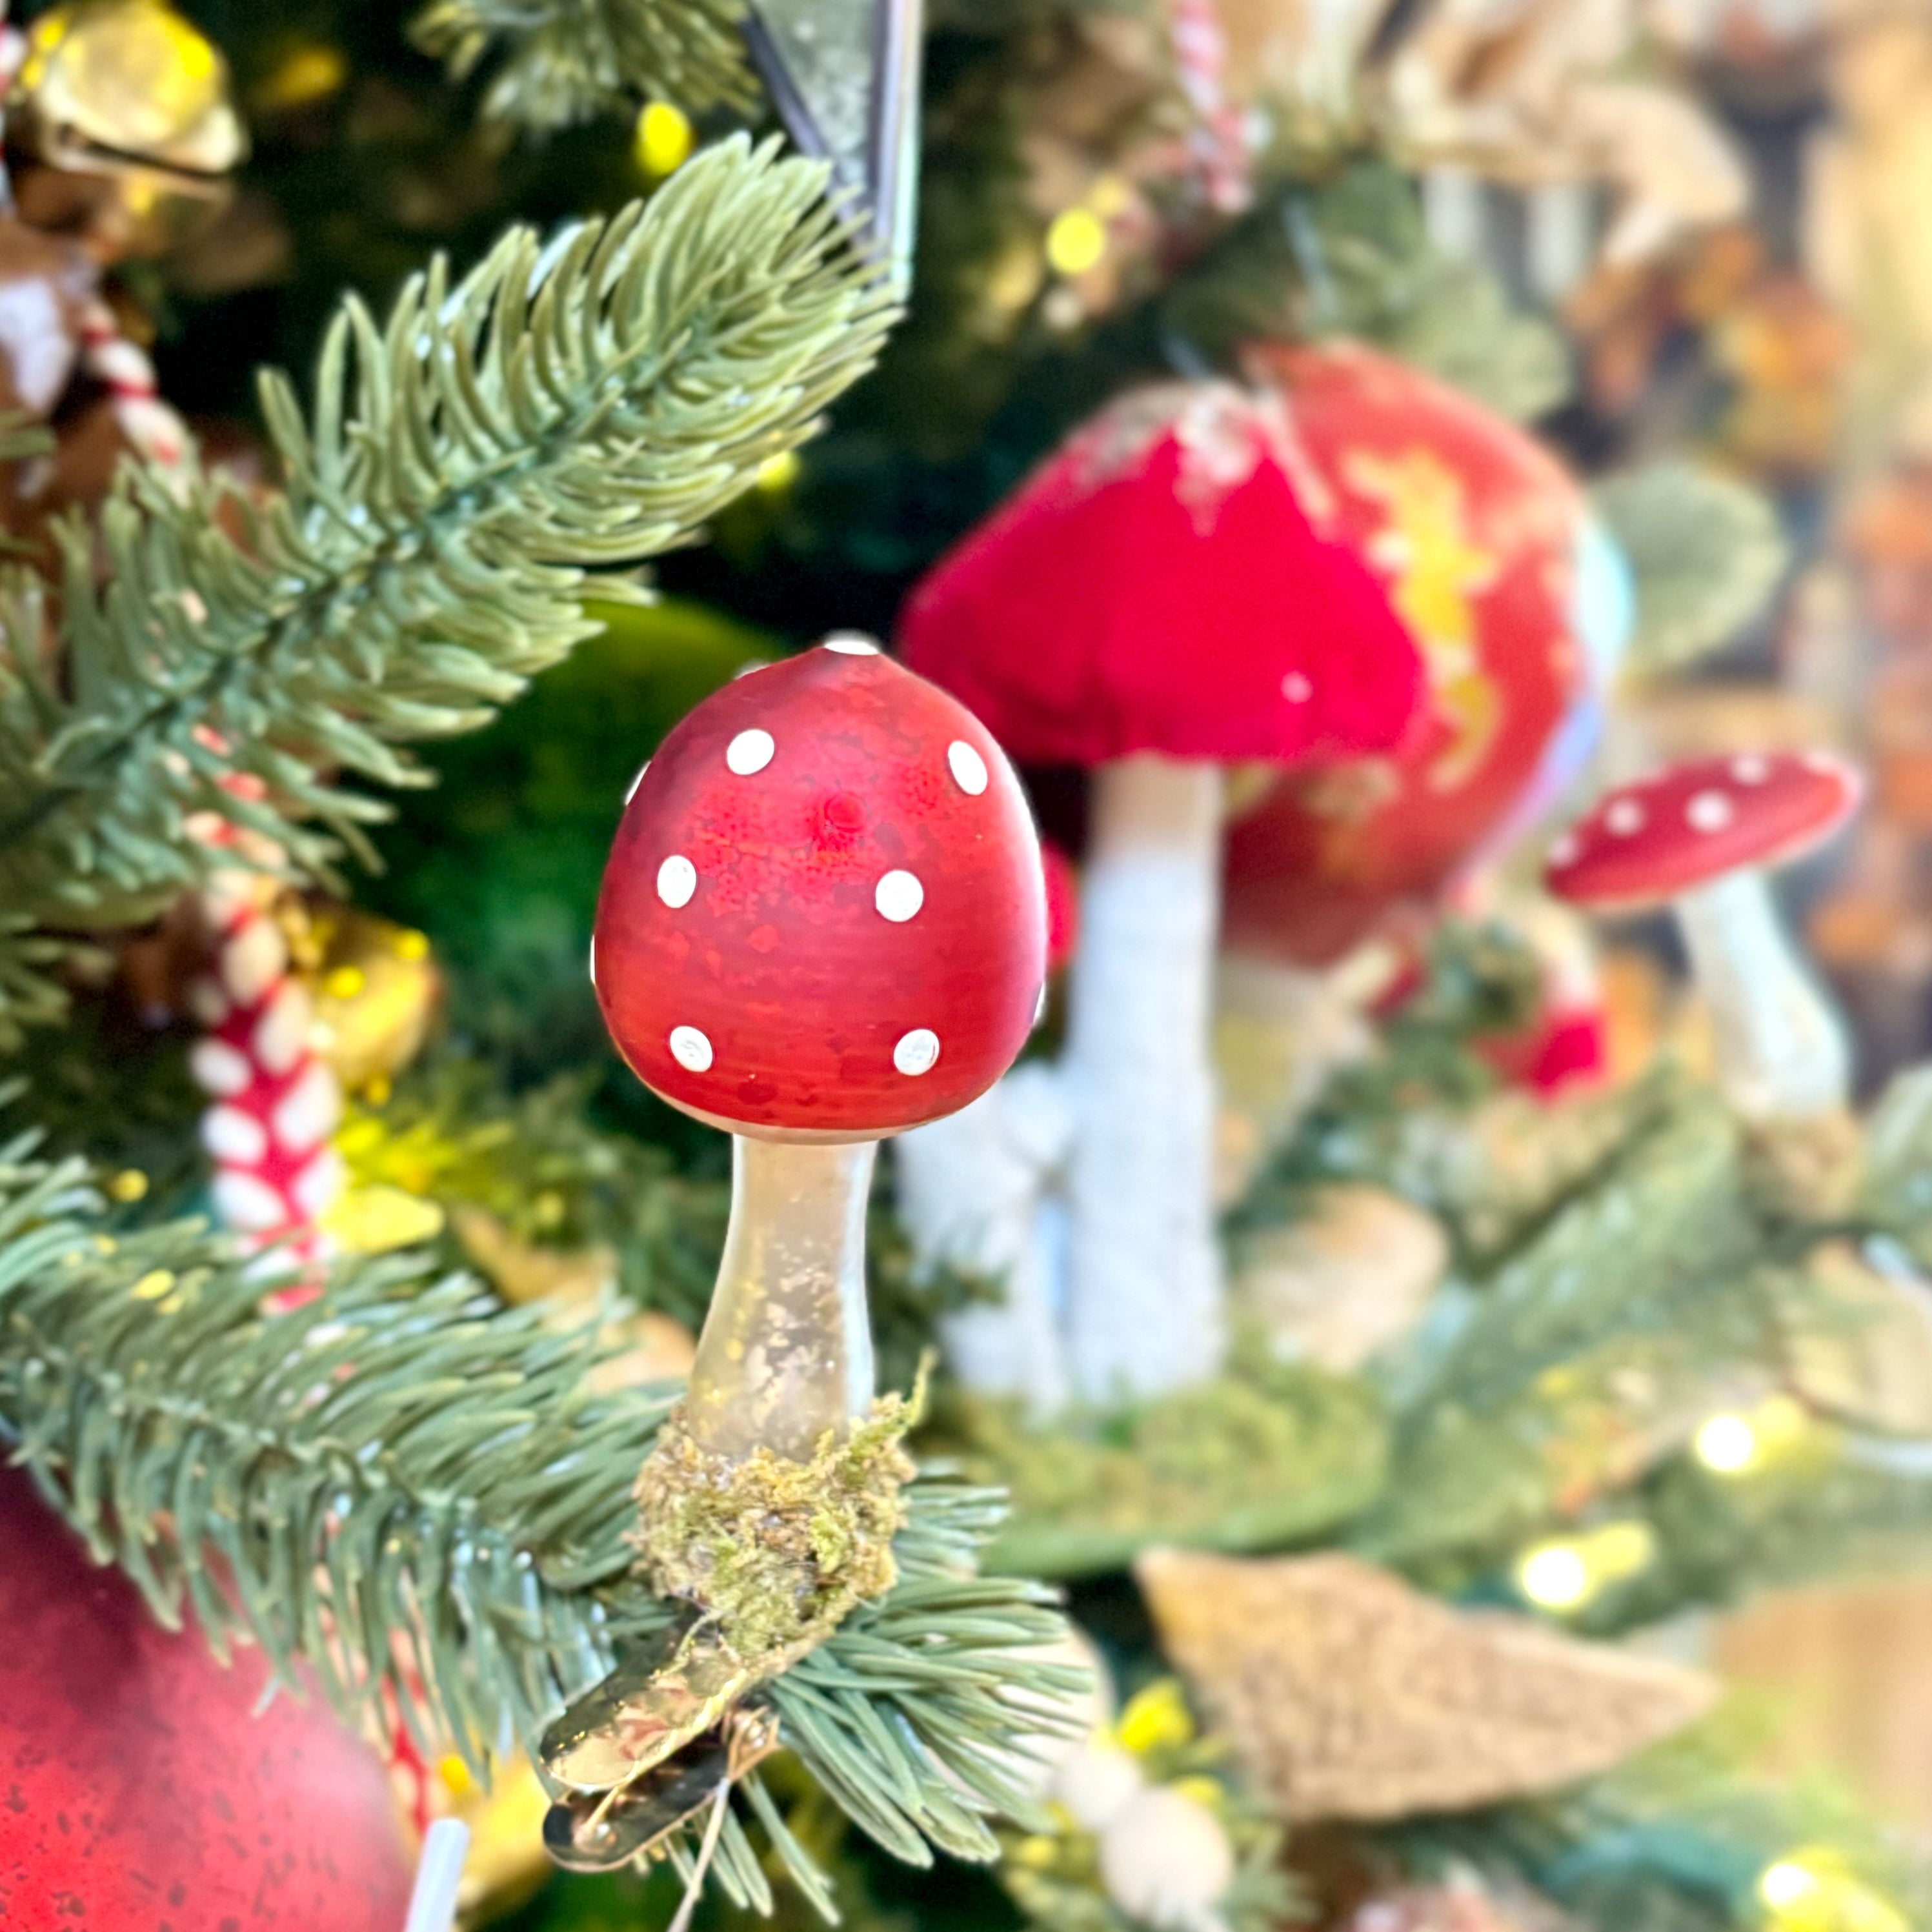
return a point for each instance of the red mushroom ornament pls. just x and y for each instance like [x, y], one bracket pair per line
[823, 922]
[1154, 604]
[1701, 837]
[1483, 549]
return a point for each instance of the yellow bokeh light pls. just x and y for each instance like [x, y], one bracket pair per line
[1814, 1892]
[664, 139]
[1076, 242]
[304, 76]
[1726, 1444]
[1786, 1884]
[1555, 1575]
[1156, 1718]
[778, 473]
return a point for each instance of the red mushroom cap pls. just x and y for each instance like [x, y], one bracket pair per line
[1157, 586]
[1471, 528]
[1645, 843]
[823, 912]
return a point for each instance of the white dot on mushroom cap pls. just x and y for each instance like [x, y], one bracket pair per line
[1709, 811]
[1624, 818]
[917, 1052]
[593, 962]
[745, 669]
[852, 644]
[1563, 852]
[677, 880]
[968, 768]
[690, 1049]
[898, 896]
[1296, 688]
[636, 781]
[1750, 768]
[750, 751]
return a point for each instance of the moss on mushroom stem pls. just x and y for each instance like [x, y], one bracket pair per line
[779, 1551]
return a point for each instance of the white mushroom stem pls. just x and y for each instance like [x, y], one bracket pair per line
[1782, 1054]
[981, 1190]
[1145, 1303]
[786, 1354]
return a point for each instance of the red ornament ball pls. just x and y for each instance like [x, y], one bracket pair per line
[823, 914]
[139, 1790]
[1472, 530]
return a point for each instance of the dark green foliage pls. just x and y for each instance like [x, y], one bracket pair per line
[565, 60]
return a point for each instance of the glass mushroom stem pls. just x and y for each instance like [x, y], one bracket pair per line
[1145, 1311]
[1782, 1054]
[786, 1354]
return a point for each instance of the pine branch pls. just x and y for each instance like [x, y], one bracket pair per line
[405, 1487]
[1593, 1350]
[567, 60]
[563, 409]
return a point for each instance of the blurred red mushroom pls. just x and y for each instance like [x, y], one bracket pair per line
[1701, 837]
[823, 921]
[1483, 544]
[1154, 604]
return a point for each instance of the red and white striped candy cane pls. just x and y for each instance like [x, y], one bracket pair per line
[276, 1101]
[153, 428]
[1218, 141]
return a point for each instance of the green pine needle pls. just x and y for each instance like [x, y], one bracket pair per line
[565, 409]
[419, 1495]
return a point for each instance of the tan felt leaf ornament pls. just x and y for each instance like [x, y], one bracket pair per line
[1346, 1694]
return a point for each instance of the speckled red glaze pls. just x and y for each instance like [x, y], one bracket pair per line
[139, 1792]
[1646, 842]
[780, 957]
[1336, 850]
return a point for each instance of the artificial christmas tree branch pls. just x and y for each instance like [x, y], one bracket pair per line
[567, 60]
[563, 409]
[417, 1494]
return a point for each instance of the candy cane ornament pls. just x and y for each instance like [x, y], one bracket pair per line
[154, 428]
[1218, 141]
[276, 1100]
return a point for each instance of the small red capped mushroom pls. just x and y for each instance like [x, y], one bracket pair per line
[1644, 844]
[823, 914]
[1702, 838]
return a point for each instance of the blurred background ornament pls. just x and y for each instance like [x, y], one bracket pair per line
[374, 989]
[143, 1776]
[844, 76]
[1464, 1903]
[1346, 1693]
[1477, 540]
[1352, 1274]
